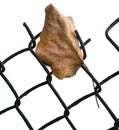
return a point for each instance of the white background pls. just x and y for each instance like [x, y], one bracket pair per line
[91, 18]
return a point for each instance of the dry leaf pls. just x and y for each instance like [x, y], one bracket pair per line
[58, 46]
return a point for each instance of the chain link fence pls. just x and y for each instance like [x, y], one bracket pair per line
[48, 81]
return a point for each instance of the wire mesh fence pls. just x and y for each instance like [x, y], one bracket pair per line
[48, 81]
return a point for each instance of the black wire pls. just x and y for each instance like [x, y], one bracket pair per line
[98, 87]
[30, 34]
[24, 118]
[80, 100]
[109, 77]
[6, 109]
[107, 34]
[70, 122]
[107, 108]
[15, 54]
[58, 96]
[51, 122]
[82, 44]
[10, 85]
[32, 89]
